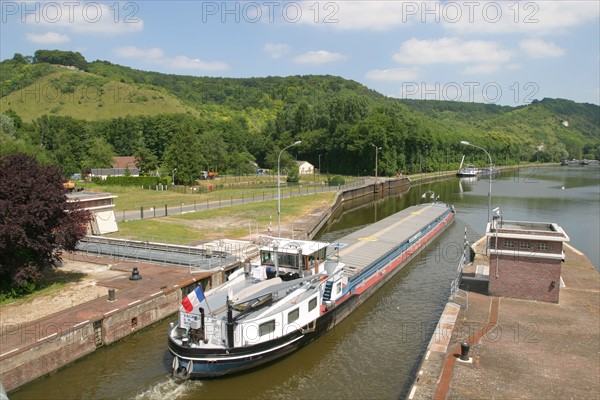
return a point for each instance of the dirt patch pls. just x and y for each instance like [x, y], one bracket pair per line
[83, 289]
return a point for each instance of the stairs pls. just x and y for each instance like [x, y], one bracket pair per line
[327, 293]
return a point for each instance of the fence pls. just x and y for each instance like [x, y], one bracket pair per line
[253, 196]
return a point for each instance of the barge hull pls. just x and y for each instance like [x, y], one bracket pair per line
[241, 359]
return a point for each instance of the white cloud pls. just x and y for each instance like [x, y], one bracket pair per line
[459, 17]
[319, 57]
[276, 50]
[482, 69]
[86, 18]
[157, 56]
[48, 38]
[361, 15]
[136, 52]
[183, 62]
[393, 74]
[518, 17]
[451, 51]
[537, 48]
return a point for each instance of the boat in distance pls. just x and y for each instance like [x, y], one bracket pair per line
[298, 290]
[467, 172]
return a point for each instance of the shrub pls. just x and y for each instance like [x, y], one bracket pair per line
[336, 180]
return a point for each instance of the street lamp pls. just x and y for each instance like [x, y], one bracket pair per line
[320, 164]
[174, 170]
[376, 150]
[490, 175]
[279, 187]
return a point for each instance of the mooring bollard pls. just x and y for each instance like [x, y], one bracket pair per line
[111, 294]
[464, 351]
[135, 275]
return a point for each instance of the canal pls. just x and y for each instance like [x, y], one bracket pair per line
[374, 353]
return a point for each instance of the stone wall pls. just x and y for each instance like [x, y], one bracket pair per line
[120, 324]
[47, 354]
[525, 278]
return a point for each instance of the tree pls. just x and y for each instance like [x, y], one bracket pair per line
[145, 160]
[100, 154]
[34, 226]
[184, 155]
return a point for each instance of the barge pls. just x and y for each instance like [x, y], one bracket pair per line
[295, 293]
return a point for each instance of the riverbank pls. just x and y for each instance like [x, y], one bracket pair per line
[518, 348]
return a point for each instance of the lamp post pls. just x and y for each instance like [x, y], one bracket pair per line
[320, 164]
[489, 176]
[279, 187]
[376, 150]
[174, 170]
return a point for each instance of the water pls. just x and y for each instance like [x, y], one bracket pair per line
[374, 353]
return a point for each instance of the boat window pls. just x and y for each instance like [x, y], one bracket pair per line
[339, 287]
[293, 315]
[266, 328]
[289, 260]
[312, 304]
[266, 257]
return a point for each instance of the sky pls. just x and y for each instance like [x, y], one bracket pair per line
[501, 52]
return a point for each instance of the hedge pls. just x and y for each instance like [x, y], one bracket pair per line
[130, 180]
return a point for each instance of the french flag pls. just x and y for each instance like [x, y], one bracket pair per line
[193, 299]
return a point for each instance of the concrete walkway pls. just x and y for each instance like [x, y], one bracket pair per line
[522, 349]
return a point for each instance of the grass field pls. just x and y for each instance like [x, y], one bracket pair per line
[228, 222]
[223, 189]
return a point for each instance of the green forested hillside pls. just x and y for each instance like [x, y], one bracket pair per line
[79, 119]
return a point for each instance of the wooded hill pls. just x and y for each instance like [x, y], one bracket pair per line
[80, 117]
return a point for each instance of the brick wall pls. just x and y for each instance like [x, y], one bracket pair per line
[121, 324]
[553, 247]
[47, 356]
[525, 278]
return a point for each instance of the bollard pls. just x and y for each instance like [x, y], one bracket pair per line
[111, 294]
[464, 351]
[135, 275]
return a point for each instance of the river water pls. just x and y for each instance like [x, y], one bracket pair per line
[375, 352]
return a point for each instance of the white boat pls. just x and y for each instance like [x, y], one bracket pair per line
[297, 292]
[468, 171]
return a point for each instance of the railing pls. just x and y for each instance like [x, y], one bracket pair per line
[253, 196]
[456, 293]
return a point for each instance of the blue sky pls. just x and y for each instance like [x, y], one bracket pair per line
[503, 52]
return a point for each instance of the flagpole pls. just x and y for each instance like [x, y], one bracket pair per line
[205, 299]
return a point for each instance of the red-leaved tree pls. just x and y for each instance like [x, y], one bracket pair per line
[34, 224]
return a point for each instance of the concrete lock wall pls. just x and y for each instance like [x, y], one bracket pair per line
[123, 323]
[47, 354]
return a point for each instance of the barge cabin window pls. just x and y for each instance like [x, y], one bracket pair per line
[266, 328]
[293, 315]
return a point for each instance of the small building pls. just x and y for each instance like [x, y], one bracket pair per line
[121, 166]
[124, 162]
[525, 259]
[305, 168]
[101, 206]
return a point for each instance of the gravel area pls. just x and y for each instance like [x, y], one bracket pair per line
[72, 294]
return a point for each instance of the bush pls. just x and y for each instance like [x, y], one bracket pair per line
[336, 180]
[293, 176]
[130, 180]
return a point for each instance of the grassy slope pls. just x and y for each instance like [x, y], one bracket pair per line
[89, 97]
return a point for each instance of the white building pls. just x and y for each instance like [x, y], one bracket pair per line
[305, 168]
[100, 205]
